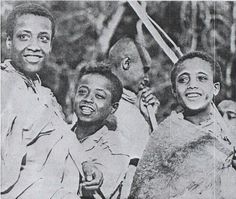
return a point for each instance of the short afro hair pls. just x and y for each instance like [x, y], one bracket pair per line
[217, 75]
[104, 69]
[24, 9]
[128, 47]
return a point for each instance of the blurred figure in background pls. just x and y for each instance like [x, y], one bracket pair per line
[131, 62]
[227, 109]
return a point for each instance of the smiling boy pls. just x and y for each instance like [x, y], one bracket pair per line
[37, 147]
[97, 97]
[190, 150]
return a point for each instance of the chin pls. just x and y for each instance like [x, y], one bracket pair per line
[33, 68]
[196, 108]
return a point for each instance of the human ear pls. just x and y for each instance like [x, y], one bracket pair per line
[114, 107]
[216, 88]
[173, 89]
[9, 43]
[125, 63]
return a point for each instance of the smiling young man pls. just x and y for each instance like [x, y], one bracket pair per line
[97, 96]
[190, 152]
[37, 147]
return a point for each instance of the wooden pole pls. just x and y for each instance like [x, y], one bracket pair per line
[143, 16]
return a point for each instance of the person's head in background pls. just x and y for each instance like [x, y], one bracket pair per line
[98, 92]
[130, 62]
[196, 79]
[227, 108]
[30, 30]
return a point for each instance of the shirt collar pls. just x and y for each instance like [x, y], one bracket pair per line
[129, 96]
[96, 137]
[28, 81]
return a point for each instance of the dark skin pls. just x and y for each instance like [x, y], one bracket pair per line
[93, 177]
[93, 103]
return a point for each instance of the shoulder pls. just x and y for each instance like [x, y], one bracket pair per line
[117, 141]
[129, 119]
[50, 100]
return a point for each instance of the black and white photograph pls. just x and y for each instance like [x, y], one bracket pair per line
[118, 99]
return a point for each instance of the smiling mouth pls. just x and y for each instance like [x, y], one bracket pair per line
[193, 95]
[87, 110]
[33, 58]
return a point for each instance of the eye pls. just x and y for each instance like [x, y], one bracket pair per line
[231, 115]
[100, 96]
[23, 37]
[183, 79]
[44, 38]
[82, 91]
[202, 78]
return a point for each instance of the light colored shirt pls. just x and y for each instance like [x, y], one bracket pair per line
[107, 149]
[131, 122]
[35, 154]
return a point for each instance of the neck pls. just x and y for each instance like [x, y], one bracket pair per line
[84, 130]
[29, 75]
[125, 82]
[199, 116]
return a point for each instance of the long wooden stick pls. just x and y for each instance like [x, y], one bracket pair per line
[169, 52]
[143, 16]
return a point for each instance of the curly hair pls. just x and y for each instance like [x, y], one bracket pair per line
[104, 69]
[217, 74]
[24, 9]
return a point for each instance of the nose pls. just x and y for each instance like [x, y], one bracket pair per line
[146, 69]
[192, 83]
[34, 45]
[146, 80]
[89, 98]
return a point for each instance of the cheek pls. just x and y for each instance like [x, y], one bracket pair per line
[104, 108]
[19, 45]
[209, 92]
[180, 90]
[77, 101]
[46, 48]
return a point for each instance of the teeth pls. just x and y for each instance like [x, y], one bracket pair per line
[86, 110]
[193, 95]
[33, 59]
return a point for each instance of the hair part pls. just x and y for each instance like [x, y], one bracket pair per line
[104, 69]
[24, 9]
[216, 69]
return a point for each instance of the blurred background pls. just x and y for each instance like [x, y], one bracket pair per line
[87, 29]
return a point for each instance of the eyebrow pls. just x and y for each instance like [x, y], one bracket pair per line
[185, 73]
[82, 86]
[97, 89]
[202, 73]
[22, 30]
[29, 32]
[44, 33]
[102, 90]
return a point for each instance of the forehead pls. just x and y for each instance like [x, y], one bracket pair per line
[96, 81]
[32, 22]
[194, 65]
